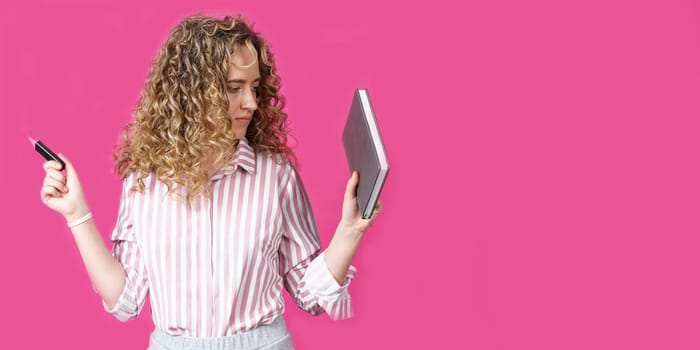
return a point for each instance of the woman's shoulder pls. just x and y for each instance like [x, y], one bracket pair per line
[277, 161]
[282, 167]
[138, 182]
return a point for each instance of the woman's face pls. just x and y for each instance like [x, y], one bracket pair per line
[242, 89]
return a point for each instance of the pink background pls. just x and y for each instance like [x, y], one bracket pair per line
[545, 183]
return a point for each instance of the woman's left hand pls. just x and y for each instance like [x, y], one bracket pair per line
[352, 218]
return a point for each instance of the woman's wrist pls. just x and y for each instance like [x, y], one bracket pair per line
[348, 232]
[78, 213]
[80, 220]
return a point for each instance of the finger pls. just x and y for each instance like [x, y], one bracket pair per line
[49, 181]
[52, 164]
[48, 192]
[56, 175]
[377, 209]
[70, 170]
[352, 184]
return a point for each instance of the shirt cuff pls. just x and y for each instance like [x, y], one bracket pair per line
[333, 297]
[126, 307]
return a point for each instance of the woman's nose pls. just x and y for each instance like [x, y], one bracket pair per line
[249, 101]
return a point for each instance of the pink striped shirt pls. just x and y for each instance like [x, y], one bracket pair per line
[217, 266]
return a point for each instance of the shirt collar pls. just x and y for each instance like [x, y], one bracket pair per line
[244, 157]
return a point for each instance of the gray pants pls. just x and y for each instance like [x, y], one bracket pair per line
[274, 336]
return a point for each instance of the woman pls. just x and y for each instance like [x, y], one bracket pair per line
[214, 220]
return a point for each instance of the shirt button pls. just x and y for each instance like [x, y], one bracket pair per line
[228, 170]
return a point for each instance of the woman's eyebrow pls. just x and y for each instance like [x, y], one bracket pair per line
[242, 81]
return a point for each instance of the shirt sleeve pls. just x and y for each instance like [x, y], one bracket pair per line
[306, 275]
[128, 252]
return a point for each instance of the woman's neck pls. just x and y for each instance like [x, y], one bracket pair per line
[210, 164]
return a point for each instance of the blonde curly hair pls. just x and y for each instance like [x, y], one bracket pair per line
[181, 117]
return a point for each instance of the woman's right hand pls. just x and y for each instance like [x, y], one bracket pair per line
[63, 193]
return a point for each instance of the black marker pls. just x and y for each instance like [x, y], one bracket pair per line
[46, 152]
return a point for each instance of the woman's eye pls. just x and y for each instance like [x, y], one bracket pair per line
[233, 89]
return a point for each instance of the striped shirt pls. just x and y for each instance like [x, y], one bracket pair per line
[216, 266]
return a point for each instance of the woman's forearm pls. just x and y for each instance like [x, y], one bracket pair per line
[106, 273]
[350, 230]
[63, 193]
[341, 250]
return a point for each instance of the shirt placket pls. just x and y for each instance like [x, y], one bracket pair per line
[207, 260]
[216, 284]
[211, 297]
